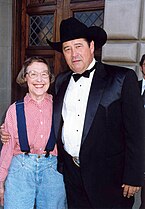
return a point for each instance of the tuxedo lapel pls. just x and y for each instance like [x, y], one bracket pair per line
[97, 88]
[140, 85]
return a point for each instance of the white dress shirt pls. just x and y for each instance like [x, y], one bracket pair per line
[143, 86]
[73, 112]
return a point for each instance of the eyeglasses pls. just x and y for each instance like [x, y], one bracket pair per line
[34, 74]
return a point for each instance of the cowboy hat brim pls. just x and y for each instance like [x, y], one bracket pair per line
[55, 45]
[98, 35]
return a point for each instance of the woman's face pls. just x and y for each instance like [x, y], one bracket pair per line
[38, 80]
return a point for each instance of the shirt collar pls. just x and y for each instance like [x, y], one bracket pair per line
[28, 98]
[92, 64]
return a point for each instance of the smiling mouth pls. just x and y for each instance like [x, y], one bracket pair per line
[39, 85]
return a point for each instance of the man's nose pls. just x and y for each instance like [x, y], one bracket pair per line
[74, 52]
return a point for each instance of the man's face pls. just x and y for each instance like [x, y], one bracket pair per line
[78, 54]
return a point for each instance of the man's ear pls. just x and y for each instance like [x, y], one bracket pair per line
[92, 47]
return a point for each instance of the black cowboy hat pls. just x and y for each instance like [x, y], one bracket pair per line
[72, 28]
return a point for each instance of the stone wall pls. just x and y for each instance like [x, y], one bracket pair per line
[5, 55]
[124, 22]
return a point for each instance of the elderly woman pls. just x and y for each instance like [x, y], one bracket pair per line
[28, 161]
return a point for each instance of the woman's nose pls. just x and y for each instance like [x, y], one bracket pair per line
[39, 77]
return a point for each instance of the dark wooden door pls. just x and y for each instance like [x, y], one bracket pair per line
[36, 20]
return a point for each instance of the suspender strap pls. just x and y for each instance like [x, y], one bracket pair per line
[21, 125]
[52, 140]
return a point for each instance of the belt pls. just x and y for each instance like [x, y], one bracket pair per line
[76, 161]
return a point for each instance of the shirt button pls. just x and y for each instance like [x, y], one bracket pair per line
[41, 122]
[40, 110]
[41, 136]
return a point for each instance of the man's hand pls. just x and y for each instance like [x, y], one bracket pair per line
[1, 193]
[129, 191]
[4, 135]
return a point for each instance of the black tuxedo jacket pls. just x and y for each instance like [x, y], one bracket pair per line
[112, 149]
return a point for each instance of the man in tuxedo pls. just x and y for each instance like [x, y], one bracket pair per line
[142, 88]
[142, 68]
[98, 122]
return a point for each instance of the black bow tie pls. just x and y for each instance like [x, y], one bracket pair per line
[85, 74]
